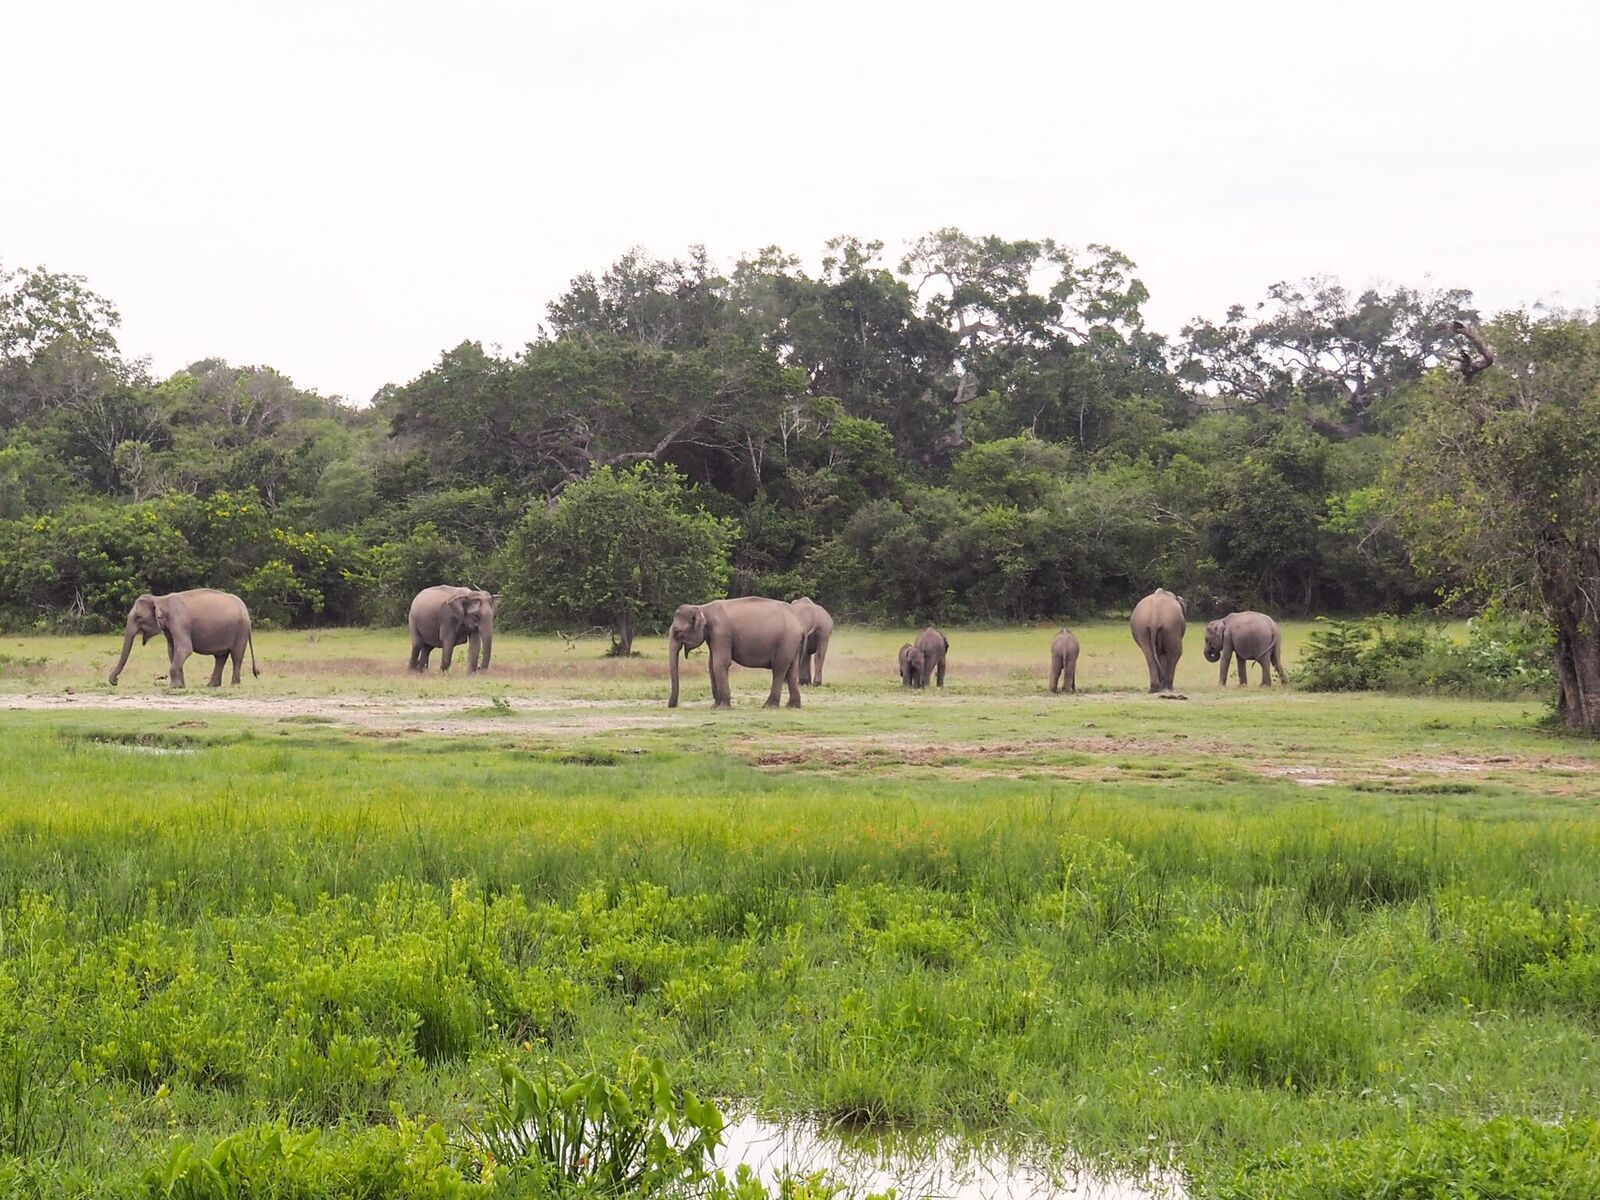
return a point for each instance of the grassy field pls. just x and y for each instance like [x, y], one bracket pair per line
[1284, 941]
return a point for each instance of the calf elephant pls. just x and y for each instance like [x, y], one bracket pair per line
[1158, 625]
[749, 630]
[444, 617]
[935, 648]
[819, 629]
[1249, 637]
[1064, 662]
[912, 672]
[199, 621]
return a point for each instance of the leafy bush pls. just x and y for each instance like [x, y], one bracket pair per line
[1504, 654]
[589, 1133]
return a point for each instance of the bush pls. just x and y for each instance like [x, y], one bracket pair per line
[1504, 654]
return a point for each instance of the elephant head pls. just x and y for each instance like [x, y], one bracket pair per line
[147, 617]
[1214, 640]
[688, 632]
[473, 612]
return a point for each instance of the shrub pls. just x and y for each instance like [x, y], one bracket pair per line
[1504, 654]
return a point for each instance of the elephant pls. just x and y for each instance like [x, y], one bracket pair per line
[819, 628]
[912, 674]
[1064, 662]
[935, 648]
[1251, 637]
[444, 617]
[1158, 625]
[752, 631]
[199, 621]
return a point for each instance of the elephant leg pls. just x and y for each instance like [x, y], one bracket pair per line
[180, 654]
[721, 661]
[793, 677]
[1266, 671]
[1072, 675]
[237, 654]
[419, 654]
[216, 671]
[940, 672]
[1277, 662]
[821, 655]
[805, 667]
[1056, 667]
[1244, 677]
[1147, 645]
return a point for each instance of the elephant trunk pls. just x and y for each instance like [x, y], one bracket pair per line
[127, 649]
[674, 644]
[486, 640]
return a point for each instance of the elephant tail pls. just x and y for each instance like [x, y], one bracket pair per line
[250, 640]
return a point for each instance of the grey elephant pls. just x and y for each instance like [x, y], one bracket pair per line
[752, 631]
[819, 629]
[912, 672]
[1158, 625]
[444, 617]
[1064, 662]
[1249, 637]
[199, 621]
[935, 648]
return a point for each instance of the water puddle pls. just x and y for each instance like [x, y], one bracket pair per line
[943, 1170]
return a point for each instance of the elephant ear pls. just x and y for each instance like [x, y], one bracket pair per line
[494, 600]
[1183, 605]
[457, 605]
[162, 614]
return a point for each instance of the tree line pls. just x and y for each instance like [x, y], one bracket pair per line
[973, 429]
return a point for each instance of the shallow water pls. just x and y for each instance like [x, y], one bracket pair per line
[946, 1169]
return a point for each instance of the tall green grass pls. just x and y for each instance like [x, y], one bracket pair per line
[323, 931]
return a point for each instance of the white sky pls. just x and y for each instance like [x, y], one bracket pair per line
[344, 189]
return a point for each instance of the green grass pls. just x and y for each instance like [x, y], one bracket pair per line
[1235, 932]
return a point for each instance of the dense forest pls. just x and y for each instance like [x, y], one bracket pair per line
[975, 429]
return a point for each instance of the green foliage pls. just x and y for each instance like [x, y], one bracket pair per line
[982, 429]
[1505, 654]
[1508, 1158]
[621, 549]
[598, 1134]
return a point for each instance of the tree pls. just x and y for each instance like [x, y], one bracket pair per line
[1497, 480]
[1315, 349]
[621, 549]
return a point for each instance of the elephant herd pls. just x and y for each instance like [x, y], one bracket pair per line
[789, 639]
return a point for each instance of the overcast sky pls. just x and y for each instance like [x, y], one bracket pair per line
[342, 190]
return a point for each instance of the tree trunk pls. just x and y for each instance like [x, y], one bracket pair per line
[622, 635]
[1578, 673]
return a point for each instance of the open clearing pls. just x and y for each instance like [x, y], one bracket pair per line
[1249, 931]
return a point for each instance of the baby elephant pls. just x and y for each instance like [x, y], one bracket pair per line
[912, 674]
[1064, 662]
[1253, 637]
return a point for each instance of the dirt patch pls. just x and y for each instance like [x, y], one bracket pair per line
[440, 714]
[1073, 758]
[1468, 764]
[1307, 776]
